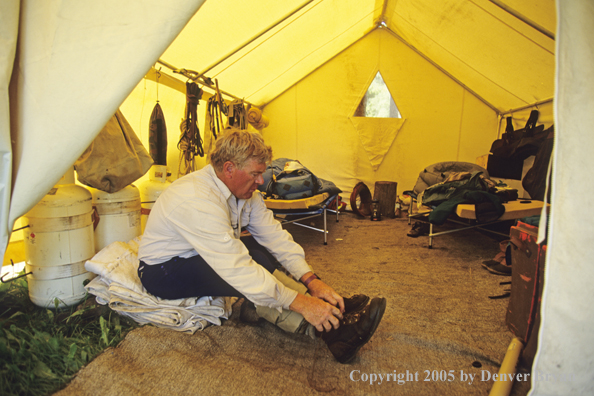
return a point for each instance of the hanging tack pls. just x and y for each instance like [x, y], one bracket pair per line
[220, 100]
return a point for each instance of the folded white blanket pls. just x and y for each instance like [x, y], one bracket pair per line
[118, 285]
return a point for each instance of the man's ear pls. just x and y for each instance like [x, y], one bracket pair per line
[229, 169]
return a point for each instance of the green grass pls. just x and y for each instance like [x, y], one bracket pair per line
[42, 349]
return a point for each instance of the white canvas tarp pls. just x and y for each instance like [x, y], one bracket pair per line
[9, 25]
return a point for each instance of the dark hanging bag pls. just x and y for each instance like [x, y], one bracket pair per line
[508, 153]
[535, 181]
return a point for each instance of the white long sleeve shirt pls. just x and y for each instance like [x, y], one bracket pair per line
[198, 214]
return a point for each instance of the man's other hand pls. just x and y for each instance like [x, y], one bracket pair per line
[317, 312]
[319, 289]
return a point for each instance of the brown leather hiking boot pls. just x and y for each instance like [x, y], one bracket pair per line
[355, 330]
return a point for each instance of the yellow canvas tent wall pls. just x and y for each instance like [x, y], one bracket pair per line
[441, 120]
[454, 67]
[308, 63]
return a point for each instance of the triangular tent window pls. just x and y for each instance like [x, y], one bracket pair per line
[377, 101]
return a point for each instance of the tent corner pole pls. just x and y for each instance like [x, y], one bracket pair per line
[190, 74]
[535, 104]
[508, 369]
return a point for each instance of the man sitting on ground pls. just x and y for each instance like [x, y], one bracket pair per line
[192, 247]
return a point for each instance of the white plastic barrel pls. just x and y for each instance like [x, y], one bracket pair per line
[151, 189]
[58, 242]
[119, 215]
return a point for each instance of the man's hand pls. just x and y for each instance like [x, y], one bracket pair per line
[319, 313]
[319, 289]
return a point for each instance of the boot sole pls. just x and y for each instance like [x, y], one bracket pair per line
[379, 313]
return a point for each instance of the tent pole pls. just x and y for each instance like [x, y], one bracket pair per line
[540, 102]
[507, 372]
[203, 81]
[166, 80]
[522, 18]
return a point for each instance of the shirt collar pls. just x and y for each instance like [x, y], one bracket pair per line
[229, 197]
[218, 182]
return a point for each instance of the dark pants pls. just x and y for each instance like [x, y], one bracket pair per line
[193, 277]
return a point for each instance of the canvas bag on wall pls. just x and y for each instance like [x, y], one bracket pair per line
[115, 159]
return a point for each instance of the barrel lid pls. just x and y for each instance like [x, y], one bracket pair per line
[63, 200]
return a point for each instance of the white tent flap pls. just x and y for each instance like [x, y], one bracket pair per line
[9, 26]
[563, 365]
[76, 63]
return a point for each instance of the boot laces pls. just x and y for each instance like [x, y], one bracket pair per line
[353, 317]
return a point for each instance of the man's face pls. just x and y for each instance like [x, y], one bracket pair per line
[243, 182]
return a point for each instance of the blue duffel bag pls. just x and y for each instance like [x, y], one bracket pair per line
[294, 184]
[288, 179]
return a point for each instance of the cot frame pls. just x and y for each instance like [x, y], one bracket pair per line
[304, 214]
[513, 211]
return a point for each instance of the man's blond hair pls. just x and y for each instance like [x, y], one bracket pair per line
[239, 146]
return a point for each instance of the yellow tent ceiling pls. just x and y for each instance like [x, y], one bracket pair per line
[501, 50]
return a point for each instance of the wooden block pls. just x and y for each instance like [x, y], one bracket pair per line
[385, 193]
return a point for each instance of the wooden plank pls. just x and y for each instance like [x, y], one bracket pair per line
[513, 210]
